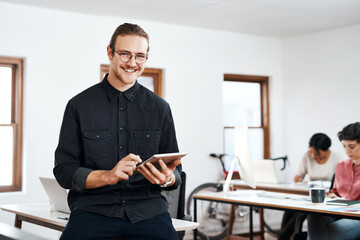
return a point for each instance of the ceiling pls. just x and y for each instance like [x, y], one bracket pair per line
[272, 18]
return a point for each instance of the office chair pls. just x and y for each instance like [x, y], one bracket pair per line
[176, 200]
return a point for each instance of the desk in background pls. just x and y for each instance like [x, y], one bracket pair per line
[291, 188]
[276, 201]
[40, 214]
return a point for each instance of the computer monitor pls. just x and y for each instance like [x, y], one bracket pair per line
[242, 158]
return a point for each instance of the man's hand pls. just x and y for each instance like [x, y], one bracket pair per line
[162, 176]
[122, 170]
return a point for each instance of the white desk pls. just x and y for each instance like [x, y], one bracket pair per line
[291, 188]
[40, 214]
[277, 201]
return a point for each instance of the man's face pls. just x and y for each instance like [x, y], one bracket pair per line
[123, 74]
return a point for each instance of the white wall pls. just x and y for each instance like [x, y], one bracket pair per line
[63, 52]
[321, 87]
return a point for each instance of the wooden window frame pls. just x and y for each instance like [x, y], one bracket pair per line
[16, 120]
[155, 73]
[265, 109]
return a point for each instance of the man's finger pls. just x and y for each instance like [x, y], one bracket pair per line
[162, 165]
[174, 164]
[133, 157]
[152, 168]
[141, 171]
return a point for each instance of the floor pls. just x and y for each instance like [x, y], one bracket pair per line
[273, 219]
[189, 236]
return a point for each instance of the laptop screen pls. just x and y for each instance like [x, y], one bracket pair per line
[56, 194]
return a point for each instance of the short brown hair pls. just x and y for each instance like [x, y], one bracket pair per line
[350, 132]
[128, 29]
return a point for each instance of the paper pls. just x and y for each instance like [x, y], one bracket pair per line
[350, 209]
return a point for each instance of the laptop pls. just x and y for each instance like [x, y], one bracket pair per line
[267, 171]
[56, 194]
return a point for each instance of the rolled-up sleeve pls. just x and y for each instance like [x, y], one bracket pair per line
[68, 171]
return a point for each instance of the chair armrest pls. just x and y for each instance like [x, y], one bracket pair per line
[187, 218]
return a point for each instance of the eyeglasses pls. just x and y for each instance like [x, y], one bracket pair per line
[139, 58]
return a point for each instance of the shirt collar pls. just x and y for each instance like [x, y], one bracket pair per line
[113, 93]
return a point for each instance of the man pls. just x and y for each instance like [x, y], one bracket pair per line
[107, 129]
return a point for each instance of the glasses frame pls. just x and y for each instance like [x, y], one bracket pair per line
[131, 55]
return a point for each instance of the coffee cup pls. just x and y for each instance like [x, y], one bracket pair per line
[317, 194]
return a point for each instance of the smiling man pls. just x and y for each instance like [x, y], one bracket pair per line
[127, 55]
[107, 129]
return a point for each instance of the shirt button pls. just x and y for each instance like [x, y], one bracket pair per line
[120, 147]
[121, 129]
[121, 109]
[123, 201]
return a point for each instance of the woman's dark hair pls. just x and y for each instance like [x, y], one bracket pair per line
[320, 141]
[350, 132]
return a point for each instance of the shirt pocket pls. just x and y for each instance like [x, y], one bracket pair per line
[146, 142]
[96, 143]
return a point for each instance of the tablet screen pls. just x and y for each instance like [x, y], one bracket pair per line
[166, 157]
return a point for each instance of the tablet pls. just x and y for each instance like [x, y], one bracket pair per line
[166, 157]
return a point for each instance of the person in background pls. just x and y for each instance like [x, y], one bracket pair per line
[346, 185]
[106, 131]
[319, 162]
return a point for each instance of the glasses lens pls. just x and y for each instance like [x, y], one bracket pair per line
[125, 57]
[140, 58]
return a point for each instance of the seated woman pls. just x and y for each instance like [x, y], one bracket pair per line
[319, 162]
[346, 185]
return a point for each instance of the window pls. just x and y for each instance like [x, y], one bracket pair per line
[11, 104]
[150, 78]
[246, 102]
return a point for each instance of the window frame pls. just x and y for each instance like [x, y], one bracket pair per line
[265, 109]
[155, 73]
[17, 65]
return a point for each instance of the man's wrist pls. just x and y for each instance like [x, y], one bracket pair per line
[169, 183]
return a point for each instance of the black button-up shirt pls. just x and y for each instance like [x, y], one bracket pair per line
[102, 125]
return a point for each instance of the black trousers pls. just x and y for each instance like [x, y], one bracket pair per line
[291, 224]
[85, 225]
